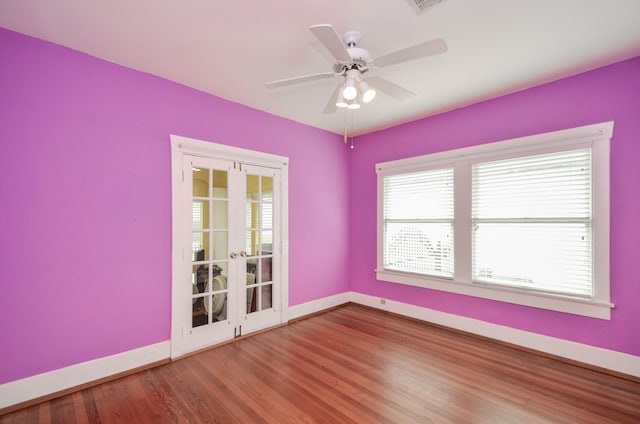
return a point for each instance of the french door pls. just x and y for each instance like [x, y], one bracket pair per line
[228, 272]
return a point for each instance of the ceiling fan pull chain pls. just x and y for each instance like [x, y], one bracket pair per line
[345, 127]
[352, 146]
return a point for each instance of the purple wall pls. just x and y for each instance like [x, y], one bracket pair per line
[85, 186]
[607, 94]
[86, 200]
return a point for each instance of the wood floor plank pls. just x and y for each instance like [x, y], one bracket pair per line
[332, 381]
[353, 364]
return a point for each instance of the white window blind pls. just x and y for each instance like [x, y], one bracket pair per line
[418, 222]
[532, 222]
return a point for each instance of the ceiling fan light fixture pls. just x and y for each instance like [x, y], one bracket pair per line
[368, 93]
[350, 92]
[352, 62]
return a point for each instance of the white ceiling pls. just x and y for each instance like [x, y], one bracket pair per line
[231, 48]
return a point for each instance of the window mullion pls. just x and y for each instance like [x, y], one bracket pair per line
[462, 221]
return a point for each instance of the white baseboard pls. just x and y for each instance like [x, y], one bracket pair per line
[36, 386]
[29, 388]
[318, 305]
[599, 357]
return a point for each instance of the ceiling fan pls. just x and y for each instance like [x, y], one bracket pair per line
[353, 62]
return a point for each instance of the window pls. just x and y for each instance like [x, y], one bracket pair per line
[524, 221]
[418, 222]
[531, 219]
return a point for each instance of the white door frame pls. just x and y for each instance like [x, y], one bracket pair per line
[181, 146]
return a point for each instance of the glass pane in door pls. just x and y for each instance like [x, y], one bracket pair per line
[252, 241]
[267, 189]
[253, 187]
[220, 245]
[251, 279]
[217, 292]
[200, 215]
[265, 270]
[259, 242]
[210, 230]
[266, 242]
[251, 211]
[220, 218]
[219, 183]
[198, 252]
[201, 177]
[267, 294]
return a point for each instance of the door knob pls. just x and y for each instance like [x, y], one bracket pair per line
[243, 253]
[233, 255]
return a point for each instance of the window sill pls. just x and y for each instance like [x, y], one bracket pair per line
[570, 305]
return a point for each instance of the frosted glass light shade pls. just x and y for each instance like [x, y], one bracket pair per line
[367, 93]
[350, 92]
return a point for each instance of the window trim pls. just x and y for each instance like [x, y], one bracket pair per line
[596, 136]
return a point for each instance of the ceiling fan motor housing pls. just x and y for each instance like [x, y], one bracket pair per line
[351, 38]
[360, 58]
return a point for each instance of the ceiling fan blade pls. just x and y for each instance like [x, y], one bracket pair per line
[390, 88]
[418, 51]
[296, 80]
[331, 105]
[329, 38]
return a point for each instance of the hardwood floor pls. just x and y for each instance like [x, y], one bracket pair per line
[353, 365]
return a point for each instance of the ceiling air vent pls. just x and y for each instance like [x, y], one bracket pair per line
[420, 6]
